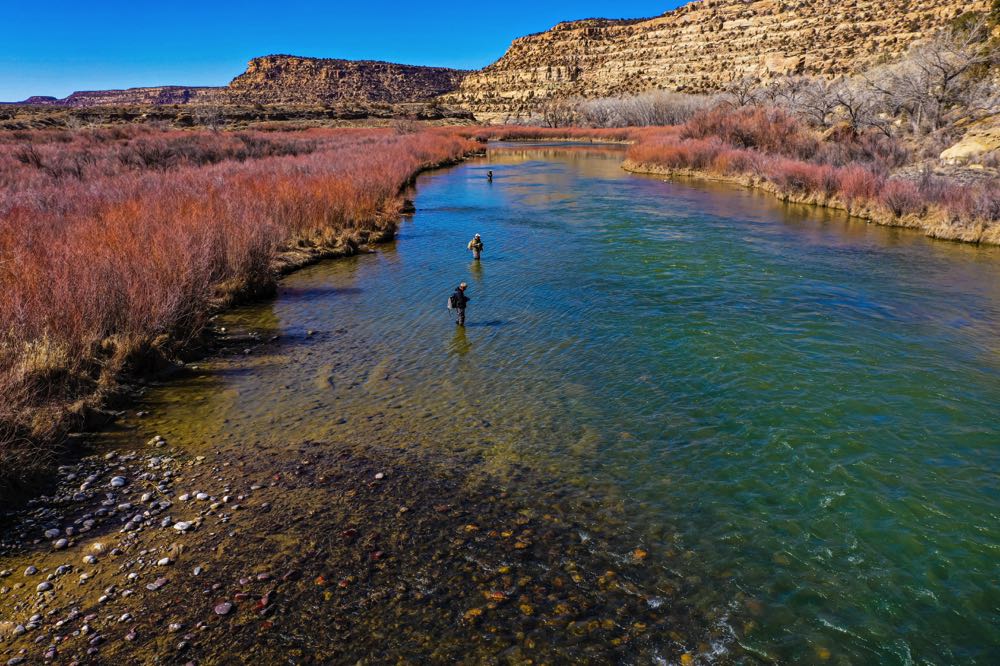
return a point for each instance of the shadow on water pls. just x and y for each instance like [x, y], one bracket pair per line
[493, 323]
[318, 291]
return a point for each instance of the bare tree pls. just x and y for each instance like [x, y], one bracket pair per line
[814, 101]
[743, 91]
[558, 112]
[659, 107]
[209, 116]
[860, 105]
[948, 73]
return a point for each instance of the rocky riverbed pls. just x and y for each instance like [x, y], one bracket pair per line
[318, 552]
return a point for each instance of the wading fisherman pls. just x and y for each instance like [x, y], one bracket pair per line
[476, 245]
[457, 302]
[489, 176]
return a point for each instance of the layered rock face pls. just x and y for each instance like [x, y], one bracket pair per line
[285, 79]
[288, 80]
[142, 96]
[700, 47]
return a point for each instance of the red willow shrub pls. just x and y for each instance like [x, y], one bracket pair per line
[902, 197]
[859, 184]
[121, 236]
[766, 129]
[770, 145]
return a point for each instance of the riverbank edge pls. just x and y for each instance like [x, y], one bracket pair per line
[934, 224]
[24, 468]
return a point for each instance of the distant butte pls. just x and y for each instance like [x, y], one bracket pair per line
[287, 80]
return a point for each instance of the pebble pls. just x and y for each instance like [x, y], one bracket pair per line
[174, 627]
[19, 630]
[164, 562]
[51, 534]
[118, 482]
[44, 587]
[197, 571]
[127, 617]
[14, 661]
[185, 497]
[379, 476]
[98, 548]
[201, 496]
[31, 571]
[182, 526]
[224, 608]
[60, 544]
[89, 559]
[157, 584]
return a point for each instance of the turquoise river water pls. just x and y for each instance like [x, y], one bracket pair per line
[808, 406]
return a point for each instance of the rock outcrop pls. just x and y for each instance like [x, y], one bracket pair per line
[288, 80]
[982, 140]
[700, 47]
[283, 79]
[143, 96]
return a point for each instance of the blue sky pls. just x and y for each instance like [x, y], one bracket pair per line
[59, 46]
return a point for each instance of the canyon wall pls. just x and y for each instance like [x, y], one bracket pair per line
[700, 47]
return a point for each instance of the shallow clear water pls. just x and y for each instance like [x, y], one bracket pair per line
[806, 406]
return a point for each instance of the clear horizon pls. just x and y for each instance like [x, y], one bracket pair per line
[119, 45]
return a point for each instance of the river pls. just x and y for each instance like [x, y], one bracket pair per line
[791, 414]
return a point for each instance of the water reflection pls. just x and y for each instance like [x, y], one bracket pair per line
[460, 344]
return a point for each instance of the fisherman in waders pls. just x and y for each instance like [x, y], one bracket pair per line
[476, 245]
[458, 301]
[489, 176]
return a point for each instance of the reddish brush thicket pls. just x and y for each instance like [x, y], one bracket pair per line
[766, 129]
[770, 145]
[111, 238]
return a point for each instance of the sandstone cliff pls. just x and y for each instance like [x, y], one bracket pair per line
[700, 47]
[288, 80]
[283, 79]
[142, 96]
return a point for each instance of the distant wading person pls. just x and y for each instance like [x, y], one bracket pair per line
[489, 176]
[476, 245]
[457, 302]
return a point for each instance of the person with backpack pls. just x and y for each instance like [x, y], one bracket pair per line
[476, 245]
[458, 301]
